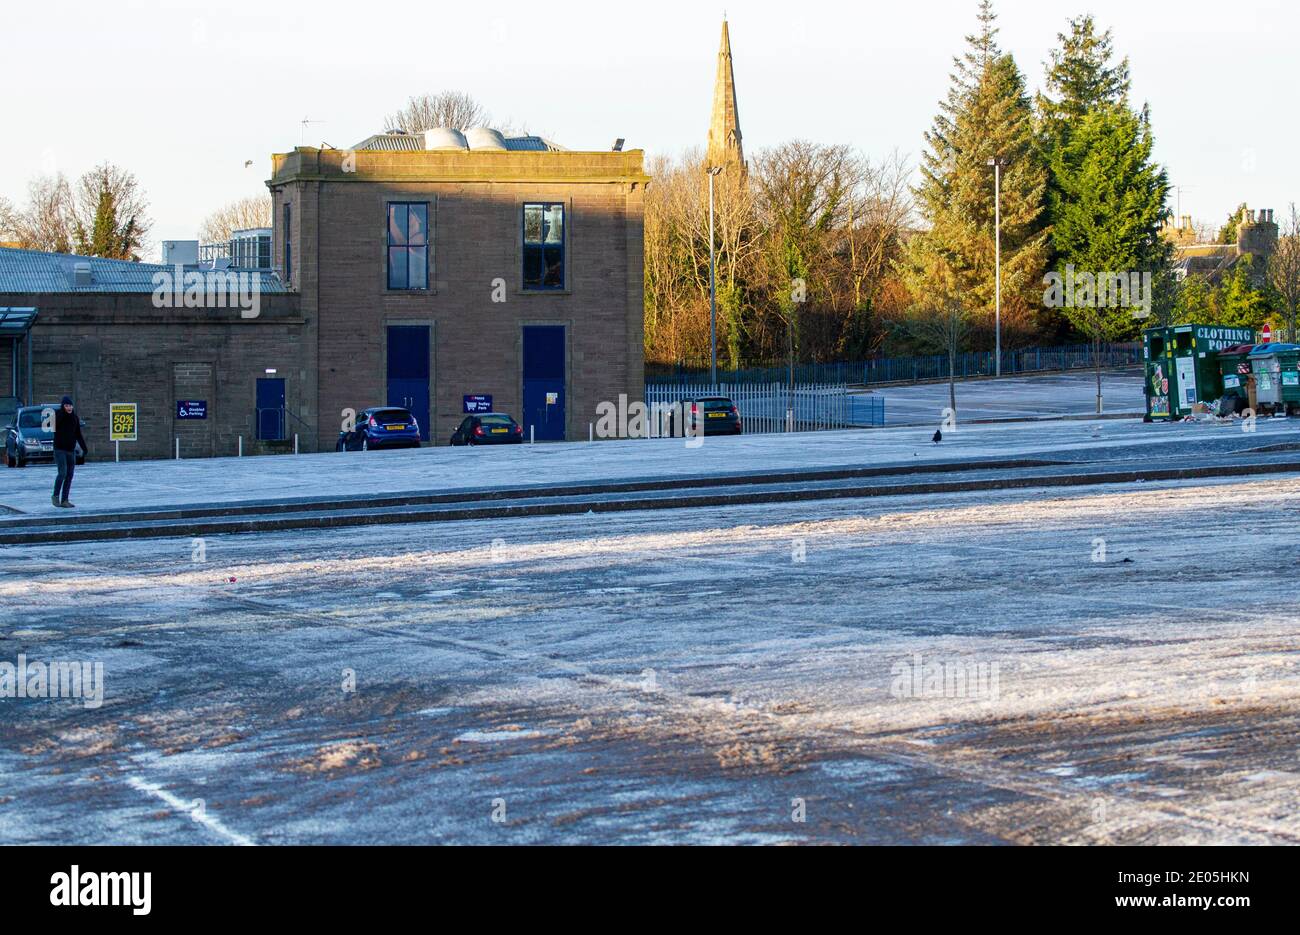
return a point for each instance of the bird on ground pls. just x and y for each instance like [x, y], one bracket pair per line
[938, 436]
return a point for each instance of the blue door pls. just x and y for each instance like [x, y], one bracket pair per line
[270, 408]
[408, 372]
[544, 382]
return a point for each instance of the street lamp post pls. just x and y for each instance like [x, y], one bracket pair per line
[997, 162]
[713, 300]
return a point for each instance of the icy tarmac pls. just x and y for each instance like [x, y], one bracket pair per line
[1110, 665]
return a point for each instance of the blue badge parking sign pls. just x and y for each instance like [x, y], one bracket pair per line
[191, 408]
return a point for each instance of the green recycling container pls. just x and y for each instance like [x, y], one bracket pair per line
[1181, 365]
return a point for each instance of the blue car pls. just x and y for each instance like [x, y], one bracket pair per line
[381, 427]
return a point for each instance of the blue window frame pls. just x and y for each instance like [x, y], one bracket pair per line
[544, 246]
[408, 245]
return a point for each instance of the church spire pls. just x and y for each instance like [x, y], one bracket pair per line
[724, 127]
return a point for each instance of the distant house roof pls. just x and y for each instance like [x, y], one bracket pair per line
[34, 271]
[414, 142]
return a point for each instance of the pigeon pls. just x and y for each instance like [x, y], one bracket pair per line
[938, 436]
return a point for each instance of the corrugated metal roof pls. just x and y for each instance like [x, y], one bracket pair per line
[16, 322]
[34, 271]
[414, 142]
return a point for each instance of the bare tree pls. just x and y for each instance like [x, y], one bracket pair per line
[1284, 272]
[878, 210]
[8, 221]
[254, 211]
[453, 109]
[942, 318]
[47, 222]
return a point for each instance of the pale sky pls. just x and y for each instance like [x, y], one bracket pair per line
[183, 93]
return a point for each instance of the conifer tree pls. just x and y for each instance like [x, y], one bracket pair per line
[1081, 78]
[987, 114]
[1106, 197]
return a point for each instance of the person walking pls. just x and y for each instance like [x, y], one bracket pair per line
[67, 435]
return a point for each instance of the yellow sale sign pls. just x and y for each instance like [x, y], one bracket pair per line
[122, 421]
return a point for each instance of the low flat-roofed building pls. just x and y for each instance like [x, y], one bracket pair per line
[114, 331]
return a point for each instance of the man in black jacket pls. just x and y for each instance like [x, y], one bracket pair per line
[67, 435]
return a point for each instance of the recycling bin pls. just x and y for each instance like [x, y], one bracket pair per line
[1277, 377]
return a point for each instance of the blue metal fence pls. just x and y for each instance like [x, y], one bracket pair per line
[880, 370]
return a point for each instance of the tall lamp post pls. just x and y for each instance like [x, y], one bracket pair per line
[997, 162]
[713, 298]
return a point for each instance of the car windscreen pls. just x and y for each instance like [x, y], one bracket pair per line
[495, 419]
[713, 405]
[31, 419]
[392, 415]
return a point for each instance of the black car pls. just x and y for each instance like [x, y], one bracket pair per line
[488, 428]
[381, 427]
[26, 439]
[716, 415]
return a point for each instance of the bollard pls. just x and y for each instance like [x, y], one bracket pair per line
[241, 447]
[295, 442]
[531, 440]
[178, 448]
[591, 431]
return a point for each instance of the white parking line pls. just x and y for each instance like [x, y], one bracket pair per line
[196, 810]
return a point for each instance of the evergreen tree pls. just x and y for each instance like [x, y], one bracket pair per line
[1228, 232]
[1080, 78]
[1106, 202]
[1194, 303]
[987, 114]
[1106, 197]
[1237, 302]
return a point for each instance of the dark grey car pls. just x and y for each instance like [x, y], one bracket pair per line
[26, 439]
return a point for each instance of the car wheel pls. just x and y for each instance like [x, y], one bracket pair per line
[81, 461]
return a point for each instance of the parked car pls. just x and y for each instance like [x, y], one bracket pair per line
[717, 415]
[488, 428]
[27, 442]
[381, 427]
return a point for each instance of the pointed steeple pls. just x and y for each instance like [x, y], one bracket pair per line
[724, 128]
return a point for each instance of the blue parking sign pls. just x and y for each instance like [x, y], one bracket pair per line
[478, 403]
[191, 408]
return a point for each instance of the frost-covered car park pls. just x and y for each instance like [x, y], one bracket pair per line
[982, 662]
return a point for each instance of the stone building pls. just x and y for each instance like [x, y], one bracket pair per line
[1257, 234]
[442, 265]
[410, 270]
[113, 331]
